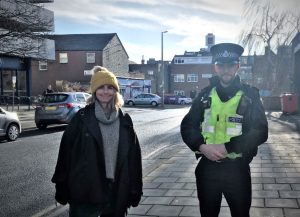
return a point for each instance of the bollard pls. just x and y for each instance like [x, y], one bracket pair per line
[29, 103]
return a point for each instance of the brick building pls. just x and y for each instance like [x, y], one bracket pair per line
[189, 73]
[18, 50]
[75, 56]
[151, 72]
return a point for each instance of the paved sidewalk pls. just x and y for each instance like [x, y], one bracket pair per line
[170, 189]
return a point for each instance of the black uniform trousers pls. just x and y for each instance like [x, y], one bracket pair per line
[231, 178]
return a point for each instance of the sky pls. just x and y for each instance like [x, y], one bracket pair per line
[139, 23]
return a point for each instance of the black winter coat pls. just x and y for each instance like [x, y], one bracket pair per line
[254, 125]
[80, 171]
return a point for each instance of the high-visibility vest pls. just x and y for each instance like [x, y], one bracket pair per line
[221, 122]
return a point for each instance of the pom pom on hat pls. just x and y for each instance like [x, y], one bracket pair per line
[101, 77]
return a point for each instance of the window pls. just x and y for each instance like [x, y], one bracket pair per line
[87, 96]
[43, 65]
[150, 72]
[141, 96]
[80, 97]
[243, 60]
[63, 58]
[179, 61]
[179, 92]
[179, 78]
[90, 58]
[206, 75]
[87, 72]
[192, 78]
[55, 98]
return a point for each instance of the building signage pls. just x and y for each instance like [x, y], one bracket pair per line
[14, 63]
[194, 60]
[206, 75]
[87, 73]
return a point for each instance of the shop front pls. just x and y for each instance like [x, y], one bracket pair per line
[15, 76]
[131, 87]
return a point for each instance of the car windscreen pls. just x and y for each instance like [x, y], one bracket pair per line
[53, 98]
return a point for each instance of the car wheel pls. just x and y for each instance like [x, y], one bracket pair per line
[154, 103]
[130, 103]
[12, 132]
[182, 102]
[41, 126]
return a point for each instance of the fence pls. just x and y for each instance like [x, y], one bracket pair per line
[19, 102]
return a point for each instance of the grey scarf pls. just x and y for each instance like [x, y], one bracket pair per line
[109, 128]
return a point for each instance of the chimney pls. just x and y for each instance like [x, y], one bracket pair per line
[143, 61]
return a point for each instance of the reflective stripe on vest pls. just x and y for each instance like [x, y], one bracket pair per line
[221, 122]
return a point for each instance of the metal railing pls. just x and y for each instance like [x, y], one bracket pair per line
[16, 102]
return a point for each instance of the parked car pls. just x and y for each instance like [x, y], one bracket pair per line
[10, 125]
[59, 108]
[144, 99]
[176, 99]
[171, 99]
[184, 100]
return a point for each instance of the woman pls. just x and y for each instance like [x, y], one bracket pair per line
[99, 169]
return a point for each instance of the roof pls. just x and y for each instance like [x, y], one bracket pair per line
[200, 53]
[82, 42]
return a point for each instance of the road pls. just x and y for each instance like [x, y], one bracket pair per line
[27, 164]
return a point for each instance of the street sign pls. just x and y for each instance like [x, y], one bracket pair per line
[14, 79]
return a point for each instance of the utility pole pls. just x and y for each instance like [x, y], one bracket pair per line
[162, 68]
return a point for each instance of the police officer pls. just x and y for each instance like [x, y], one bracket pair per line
[224, 126]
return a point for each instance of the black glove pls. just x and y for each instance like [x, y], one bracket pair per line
[61, 195]
[134, 199]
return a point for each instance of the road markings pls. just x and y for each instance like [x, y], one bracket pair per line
[52, 211]
[43, 212]
[59, 211]
[154, 152]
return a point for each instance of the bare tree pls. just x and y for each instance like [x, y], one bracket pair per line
[23, 26]
[268, 27]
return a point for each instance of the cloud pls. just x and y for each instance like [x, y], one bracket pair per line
[138, 21]
[132, 11]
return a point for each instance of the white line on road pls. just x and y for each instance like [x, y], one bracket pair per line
[43, 212]
[52, 211]
[154, 152]
[59, 211]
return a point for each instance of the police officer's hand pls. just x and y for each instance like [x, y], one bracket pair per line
[213, 152]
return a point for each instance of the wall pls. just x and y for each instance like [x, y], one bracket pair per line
[146, 69]
[72, 71]
[200, 70]
[115, 57]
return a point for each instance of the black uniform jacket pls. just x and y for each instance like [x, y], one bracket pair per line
[254, 124]
[80, 171]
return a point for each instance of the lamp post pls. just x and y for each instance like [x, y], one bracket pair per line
[162, 68]
[14, 79]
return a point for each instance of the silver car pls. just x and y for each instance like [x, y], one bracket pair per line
[59, 108]
[144, 99]
[10, 126]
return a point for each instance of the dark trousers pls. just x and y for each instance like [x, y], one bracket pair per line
[87, 210]
[229, 178]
